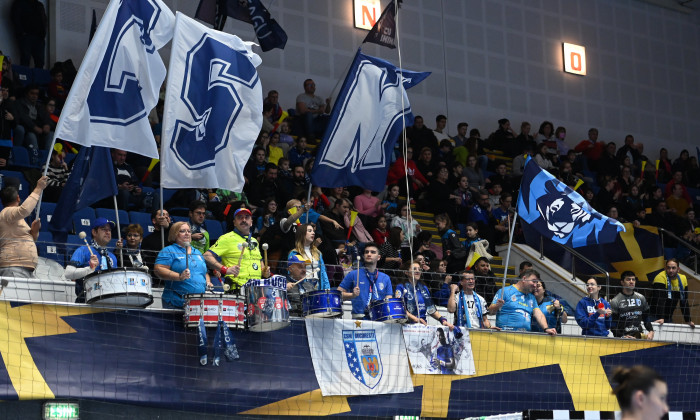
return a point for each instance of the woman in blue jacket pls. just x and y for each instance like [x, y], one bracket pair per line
[593, 313]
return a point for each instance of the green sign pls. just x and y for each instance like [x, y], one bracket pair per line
[61, 410]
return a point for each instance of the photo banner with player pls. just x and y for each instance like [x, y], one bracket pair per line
[436, 351]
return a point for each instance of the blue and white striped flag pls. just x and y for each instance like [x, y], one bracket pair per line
[119, 79]
[560, 213]
[213, 108]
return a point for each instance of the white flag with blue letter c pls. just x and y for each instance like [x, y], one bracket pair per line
[119, 79]
[213, 108]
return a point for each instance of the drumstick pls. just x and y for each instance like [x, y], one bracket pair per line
[187, 257]
[264, 247]
[358, 272]
[83, 235]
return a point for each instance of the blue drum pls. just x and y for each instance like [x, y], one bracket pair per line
[388, 310]
[267, 308]
[322, 304]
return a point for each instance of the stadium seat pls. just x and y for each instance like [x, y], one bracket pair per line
[23, 186]
[215, 230]
[20, 157]
[167, 195]
[48, 249]
[43, 157]
[143, 219]
[24, 74]
[72, 243]
[47, 210]
[179, 218]
[82, 219]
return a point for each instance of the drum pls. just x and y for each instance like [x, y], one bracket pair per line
[211, 306]
[119, 287]
[267, 308]
[322, 304]
[388, 310]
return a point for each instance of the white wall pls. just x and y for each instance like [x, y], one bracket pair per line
[503, 59]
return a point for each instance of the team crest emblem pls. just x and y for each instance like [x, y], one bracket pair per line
[255, 266]
[363, 356]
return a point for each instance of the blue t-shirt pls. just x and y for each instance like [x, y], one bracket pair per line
[547, 308]
[406, 292]
[81, 258]
[372, 287]
[516, 313]
[445, 354]
[173, 256]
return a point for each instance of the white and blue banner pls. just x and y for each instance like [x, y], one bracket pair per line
[213, 108]
[436, 350]
[119, 79]
[352, 357]
[559, 213]
[365, 123]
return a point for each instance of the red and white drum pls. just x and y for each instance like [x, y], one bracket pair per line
[210, 306]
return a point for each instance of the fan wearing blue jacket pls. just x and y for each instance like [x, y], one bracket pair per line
[593, 313]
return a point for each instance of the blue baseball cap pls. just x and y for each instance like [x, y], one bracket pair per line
[101, 221]
[296, 259]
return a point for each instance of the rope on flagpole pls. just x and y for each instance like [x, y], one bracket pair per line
[510, 244]
[444, 63]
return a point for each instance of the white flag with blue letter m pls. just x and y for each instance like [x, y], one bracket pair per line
[353, 357]
[119, 79]
[365, 123]
[213, 108]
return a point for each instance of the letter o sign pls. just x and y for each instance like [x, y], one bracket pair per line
[574, 59]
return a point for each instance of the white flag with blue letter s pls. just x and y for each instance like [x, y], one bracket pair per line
[213, 108]
[365, 123]
[353, 357]
[119, 79]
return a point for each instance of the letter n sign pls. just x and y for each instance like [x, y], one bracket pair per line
[366, 13]
[574, 59]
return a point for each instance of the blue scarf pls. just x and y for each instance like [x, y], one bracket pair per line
[411, 304]
[463, 317]
[680, 286]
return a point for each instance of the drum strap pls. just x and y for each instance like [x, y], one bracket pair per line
[202, 347]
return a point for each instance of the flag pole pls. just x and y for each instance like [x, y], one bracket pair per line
[162, 231]
[510, 244]
[46, 170]
[308, 202]
[119, 232]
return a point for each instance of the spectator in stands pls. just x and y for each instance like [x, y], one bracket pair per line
[265, 186]
[630, 311]
[296, 273]
[566, 175]
[519, 161]
[439, 193]
[608, 196]
[452, 248]
[682, 163]
[274, 151]
[677, 179]
[236, 255]
[87, 260]
[336, 194]
[334, 229]
[461, 138]
[608, 165]
[554, 308]
[629, 149]
[31, 115]
[29, 18]
[542, 158]
[515, 306]
[503, 178]
[670, 289]
[380, 234]
[480, 214]
[485, 279]
[693, 174]
[403, 167]
[58, 175]
[545, 132]
[421, 136]
[502, 217]
[199, 234]
[8, 77]
[462, 198]
[525, 265]
[456, 172]
[134, 236]
[267, 219]
[18, 253]
[665, 169]
[272, 99]
[306, 249]
[416, 297]
[152, 243]
[182, 276]
[593, 313]
[129, 192]
[408, 225]
[391, 200]
[426, 164]
[440, 276]
[524, 141]
[368, 204]
[559, 138]
[52, 113]
[8, 116]
[439, 132]
[255, 166]
[501, 139]
[297, 186]
[285, 137]
[267, 125]
[474, 174]
[56, 89]
[390, 250]
[312, 110]
[469, 307]
[676, 202]
[641, 393]
[367, 284]
[298, 154]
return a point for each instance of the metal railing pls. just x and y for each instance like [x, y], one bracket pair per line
[685, 243]
[576, 254]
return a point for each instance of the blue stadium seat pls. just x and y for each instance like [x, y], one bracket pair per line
[23, 186]
[109, 215]
[24, 74]
[48, 249]
[167, 195]
[215, 230]
[143, 219]
[47, 210]
[82, 219]
[179, 218]
[72, 243]
[20, 157]
[42, 77]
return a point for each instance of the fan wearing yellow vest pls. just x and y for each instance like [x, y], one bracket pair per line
[670, 288]
[236, 255]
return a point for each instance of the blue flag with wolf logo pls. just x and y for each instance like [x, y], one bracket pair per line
[560, 213]
[365, 123]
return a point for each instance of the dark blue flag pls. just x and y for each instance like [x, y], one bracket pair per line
[384, 30]
[91, 180]
[559, 213]
[365, 123]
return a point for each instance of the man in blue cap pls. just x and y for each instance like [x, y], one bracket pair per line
[296, 272]
[87, 260]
